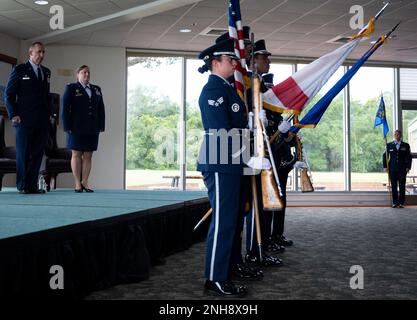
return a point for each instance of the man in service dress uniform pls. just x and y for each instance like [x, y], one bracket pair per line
[27, 103]
[399, 161]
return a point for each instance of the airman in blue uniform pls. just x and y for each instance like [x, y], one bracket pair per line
[83, 117]
[27, 102]
[224, 119]
[399, 162]
[262, 64]
[238, 268]
[285, 161]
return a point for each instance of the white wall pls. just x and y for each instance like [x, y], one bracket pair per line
[108, 70]
[10, 47]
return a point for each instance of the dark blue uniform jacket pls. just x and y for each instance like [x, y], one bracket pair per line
[80, 114]
[224, 115]
[28, 97]
[398, 160]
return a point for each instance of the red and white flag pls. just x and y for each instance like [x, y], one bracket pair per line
[297, 90]
[236, 32]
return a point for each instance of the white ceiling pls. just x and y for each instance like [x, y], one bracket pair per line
[299, 28]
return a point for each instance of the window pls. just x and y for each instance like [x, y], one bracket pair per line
[367, 143]
[194, 134]
[153, 108]
[323, 145]
[155, 102]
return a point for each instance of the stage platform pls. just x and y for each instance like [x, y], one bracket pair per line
[100, 239]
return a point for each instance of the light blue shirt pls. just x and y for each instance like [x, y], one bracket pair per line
[87, 89]
[35, 68]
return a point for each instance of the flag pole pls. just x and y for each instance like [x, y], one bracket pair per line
[389, 178]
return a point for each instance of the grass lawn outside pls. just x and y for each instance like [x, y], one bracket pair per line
[328, 181]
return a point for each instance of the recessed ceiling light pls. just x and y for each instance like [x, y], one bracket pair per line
[185, 30]
[41, 2]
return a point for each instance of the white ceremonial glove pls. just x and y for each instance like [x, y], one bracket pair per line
[250, 121]
[284, 126]
[262, 117]
[300, 165]
[259, 163]
[299, 135]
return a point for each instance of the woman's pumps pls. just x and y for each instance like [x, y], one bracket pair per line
[86, 189]
[78, 190]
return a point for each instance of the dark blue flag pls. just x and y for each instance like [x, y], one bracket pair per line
[380, 117]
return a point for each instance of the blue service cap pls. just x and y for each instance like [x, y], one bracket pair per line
[260, 48]
[223, 48]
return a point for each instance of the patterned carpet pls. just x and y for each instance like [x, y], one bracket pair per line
[328, 241]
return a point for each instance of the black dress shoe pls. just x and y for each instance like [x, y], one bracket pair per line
[282, 241]
[87, 189]
[243, 272]
[224, 288]
[400, 206]
[36, 191]
[271, 246]
[395, 206]
[24, 191]
[267, 260]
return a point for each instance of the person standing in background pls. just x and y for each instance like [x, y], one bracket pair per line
[399, 162]
[27, 103]
[83, 117]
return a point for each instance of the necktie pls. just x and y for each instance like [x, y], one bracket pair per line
[88, 90]
[39, 74]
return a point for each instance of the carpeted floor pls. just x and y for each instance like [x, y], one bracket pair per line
[328, 241]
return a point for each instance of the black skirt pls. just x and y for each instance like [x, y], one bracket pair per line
[82, 142]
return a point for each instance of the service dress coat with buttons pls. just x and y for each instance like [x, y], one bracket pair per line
[82, 116]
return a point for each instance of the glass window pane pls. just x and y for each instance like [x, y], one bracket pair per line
[367, 142]
[195, 82]
[411, 183]
[410, 128]
[153, 108]
[408, 84]
[323, 145]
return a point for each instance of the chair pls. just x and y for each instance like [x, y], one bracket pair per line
[7, 155]
[58, 160]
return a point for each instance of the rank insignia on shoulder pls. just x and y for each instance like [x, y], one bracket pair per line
[215, 103]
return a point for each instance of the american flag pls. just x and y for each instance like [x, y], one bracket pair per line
[236, 32]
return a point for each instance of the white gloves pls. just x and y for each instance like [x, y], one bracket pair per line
[262, 117]
[300, 165]
[259, 163]
[250, 121]
[284, 126]
[299, 135]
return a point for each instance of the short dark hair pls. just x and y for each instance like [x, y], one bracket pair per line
[37, 43]
[82, 67]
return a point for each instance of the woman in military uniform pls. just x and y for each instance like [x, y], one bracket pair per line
[83, 118]
[223, 116]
